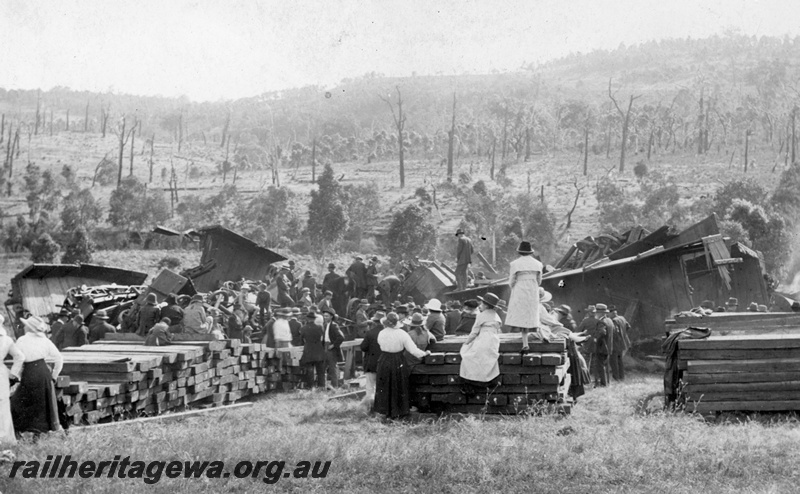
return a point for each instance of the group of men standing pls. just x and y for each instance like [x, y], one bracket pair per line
[608, 342]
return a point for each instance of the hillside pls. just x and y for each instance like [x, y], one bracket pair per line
[697, 100]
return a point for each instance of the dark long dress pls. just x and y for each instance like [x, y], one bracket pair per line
[392, 397]
[34, 407]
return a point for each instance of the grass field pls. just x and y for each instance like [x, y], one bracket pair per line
[604, 446]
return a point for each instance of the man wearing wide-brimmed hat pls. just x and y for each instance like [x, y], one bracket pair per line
[603, 345]
[420, 335]
[194, 317]
[463, 258]
[100, 326]
[435, 320]
[525, 276]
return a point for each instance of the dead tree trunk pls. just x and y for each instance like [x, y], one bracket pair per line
[746, 148]
[121, 151]
[586, 148]
[86, 118]
[51, 122]
[626, 117]
[450, 138]
[314, 161]
[38, 111]
[505, 134]
[225, 129]
[794, 139]
[574, 204]
[152, 151]
[400, 123]
[180, 129]
[2, 128]
[67, 126]
[494, 149]
[133, 141]
[701, 125]
[105, 112]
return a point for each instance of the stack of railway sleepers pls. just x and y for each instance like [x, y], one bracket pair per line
[733, 323]
[752, 373]
[528, 382]
[113, 379]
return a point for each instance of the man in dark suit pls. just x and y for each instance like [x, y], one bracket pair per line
[357, 272]
[327, 281]
[452, 317]
[309, 282]
[371, 350]
[313, 358]
[372, 279]
[332, 341]
[100, 326]
[463, 258]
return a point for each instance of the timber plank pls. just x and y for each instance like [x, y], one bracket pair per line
[504, 369]
[755, 365]
[742, 387]
[739, 396]
[742, 342]
[737, 354]
[500, 390]
[748, 406]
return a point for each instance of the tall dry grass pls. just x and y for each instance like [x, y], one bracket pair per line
[604, 446]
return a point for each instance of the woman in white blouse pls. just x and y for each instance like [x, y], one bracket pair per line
[33, 406]
[392, 395]
[7, 347]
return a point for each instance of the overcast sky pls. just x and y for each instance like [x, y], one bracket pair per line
[215, 49]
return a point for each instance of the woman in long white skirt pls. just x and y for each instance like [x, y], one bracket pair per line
[7, 347]
[480, 353]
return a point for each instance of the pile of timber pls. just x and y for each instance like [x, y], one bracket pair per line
[529, 382]
[117, 379]
[733, 323]
[752, 373]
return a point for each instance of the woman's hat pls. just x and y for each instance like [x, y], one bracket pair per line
[101, 314]
[391, 320]
[434, 304]
[471, 303]
[34, 324]
[416, 320]
[544, 295]
[151, 298]
[295, 311]
[525, 248]
[490, 299]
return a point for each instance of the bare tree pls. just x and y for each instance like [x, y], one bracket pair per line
[225, 129]
[86, 118]
[123, 139]
[104, 114]
[450, 137]
[133, 141]
[2, 127]
[400, 123]
[575, 203]
[67, 124]
[626, 117]
[38, 111]
[152, 151]
[314, 161]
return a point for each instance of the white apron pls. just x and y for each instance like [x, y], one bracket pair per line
[479, 359]
[523, 304]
